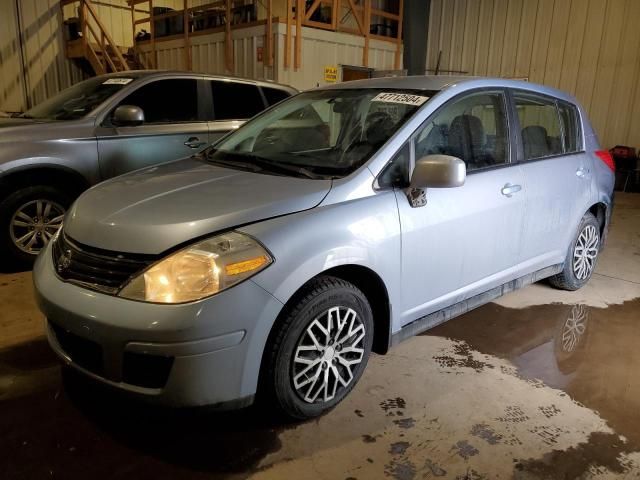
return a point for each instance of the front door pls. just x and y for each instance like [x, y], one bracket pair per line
[174, 127]
[465, 240]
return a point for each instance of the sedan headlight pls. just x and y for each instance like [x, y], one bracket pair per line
[200, 270]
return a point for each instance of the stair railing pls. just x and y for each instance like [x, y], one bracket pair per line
[91, 26]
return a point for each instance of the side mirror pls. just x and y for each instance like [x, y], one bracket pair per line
[128, 116]
[438, 171]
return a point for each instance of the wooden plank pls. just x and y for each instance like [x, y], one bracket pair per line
[297, 55]
[142, 20]
[382, 13]
[133, 27]
[269, 30]
[335, 9]
[314, 7]
[398, 57]
[228, 46]
[187, 41]
[367, 32]
[355, 15]
[152, 32]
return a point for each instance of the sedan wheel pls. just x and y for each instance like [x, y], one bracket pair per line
[585, 252]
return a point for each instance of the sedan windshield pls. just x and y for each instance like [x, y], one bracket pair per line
[319, 134]
[79, 100]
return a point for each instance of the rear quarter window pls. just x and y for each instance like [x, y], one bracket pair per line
[572, 133]
[274, 95]
[235, 100]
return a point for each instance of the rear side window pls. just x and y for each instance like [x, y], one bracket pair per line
[539, 124]
[235, 101]
[167, 101]
[274, 95]
[473, 129]
[570, 127]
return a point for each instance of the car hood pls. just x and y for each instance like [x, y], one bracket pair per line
[157, 208]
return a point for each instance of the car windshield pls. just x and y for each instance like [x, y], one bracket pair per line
[79, 100]
[319, 134]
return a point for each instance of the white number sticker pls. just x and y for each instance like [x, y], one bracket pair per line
[117, 81]
[403, 98]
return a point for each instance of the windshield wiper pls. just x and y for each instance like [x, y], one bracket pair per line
[248, 159]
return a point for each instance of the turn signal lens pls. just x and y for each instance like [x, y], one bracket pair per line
[199, 271]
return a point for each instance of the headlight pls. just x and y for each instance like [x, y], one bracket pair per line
[199, 270]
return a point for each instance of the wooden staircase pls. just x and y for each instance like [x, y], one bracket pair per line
[93, 47]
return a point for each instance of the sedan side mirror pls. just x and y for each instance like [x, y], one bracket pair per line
[128, 116]
[438, 171]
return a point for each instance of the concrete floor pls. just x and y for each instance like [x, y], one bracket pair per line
[541, 384]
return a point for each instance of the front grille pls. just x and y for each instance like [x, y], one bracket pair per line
[83, 352]
[144, 370]
[101, 270]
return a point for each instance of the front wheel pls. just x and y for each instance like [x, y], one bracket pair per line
[581, 257]
[320, 349]
[29, 218]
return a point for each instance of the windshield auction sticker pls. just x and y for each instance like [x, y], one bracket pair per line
[117, 81]
[404, 98]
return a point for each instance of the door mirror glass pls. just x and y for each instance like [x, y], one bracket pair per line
[128, 116]
[438, 171]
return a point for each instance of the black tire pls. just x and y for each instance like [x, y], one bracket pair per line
[568, 278]
[315, 299]
[10, 252]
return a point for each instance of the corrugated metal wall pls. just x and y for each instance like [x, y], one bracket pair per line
[46, 70]
[590, 48]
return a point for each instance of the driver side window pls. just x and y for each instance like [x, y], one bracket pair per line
[473, 129]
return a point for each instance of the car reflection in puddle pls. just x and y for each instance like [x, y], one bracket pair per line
[589, 353]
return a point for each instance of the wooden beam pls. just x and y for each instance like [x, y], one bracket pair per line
[287, 38]
[133, 26]
[187, 41]
[297, 58]
[228, 46]
[367, 32]
[355, 14]
[335, 11]
[152, 32]
[314, 7]
[269, 34]
[399, 39]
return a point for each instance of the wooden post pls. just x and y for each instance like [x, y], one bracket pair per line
[133, 25]
[399, 39]
[287, 38]
[154, 58]
[187, 42]
[269, 42]
[367, 31]
[228, 46]
[335, 11]
[297, 60]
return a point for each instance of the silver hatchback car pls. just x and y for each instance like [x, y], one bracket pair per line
[339, 222]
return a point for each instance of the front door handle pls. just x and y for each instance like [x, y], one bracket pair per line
[508, 190]
[194, 142]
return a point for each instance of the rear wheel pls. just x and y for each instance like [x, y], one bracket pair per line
[29, 218]
[320, 349]
[581, 257]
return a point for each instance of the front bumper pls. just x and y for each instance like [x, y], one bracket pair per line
[201, 353]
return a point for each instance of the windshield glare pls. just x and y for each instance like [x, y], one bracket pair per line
[327, 132]
[79, 100]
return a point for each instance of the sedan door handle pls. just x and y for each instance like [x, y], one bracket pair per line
[194, 142]
[508, 190]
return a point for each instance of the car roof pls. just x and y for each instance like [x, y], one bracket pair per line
[173, 73]
[442, 82]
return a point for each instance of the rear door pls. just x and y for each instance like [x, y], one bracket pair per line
[465, 240]
[556, 176]
[233, 104]
[175, 126]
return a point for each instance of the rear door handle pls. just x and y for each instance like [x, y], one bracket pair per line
[582, 172]
[194, 142]
[508, 190]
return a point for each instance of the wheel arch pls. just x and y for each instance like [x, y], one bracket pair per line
[48, 175]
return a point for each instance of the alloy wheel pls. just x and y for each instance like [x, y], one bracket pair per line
[328, 354]
[34, 224]
[585, 252]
